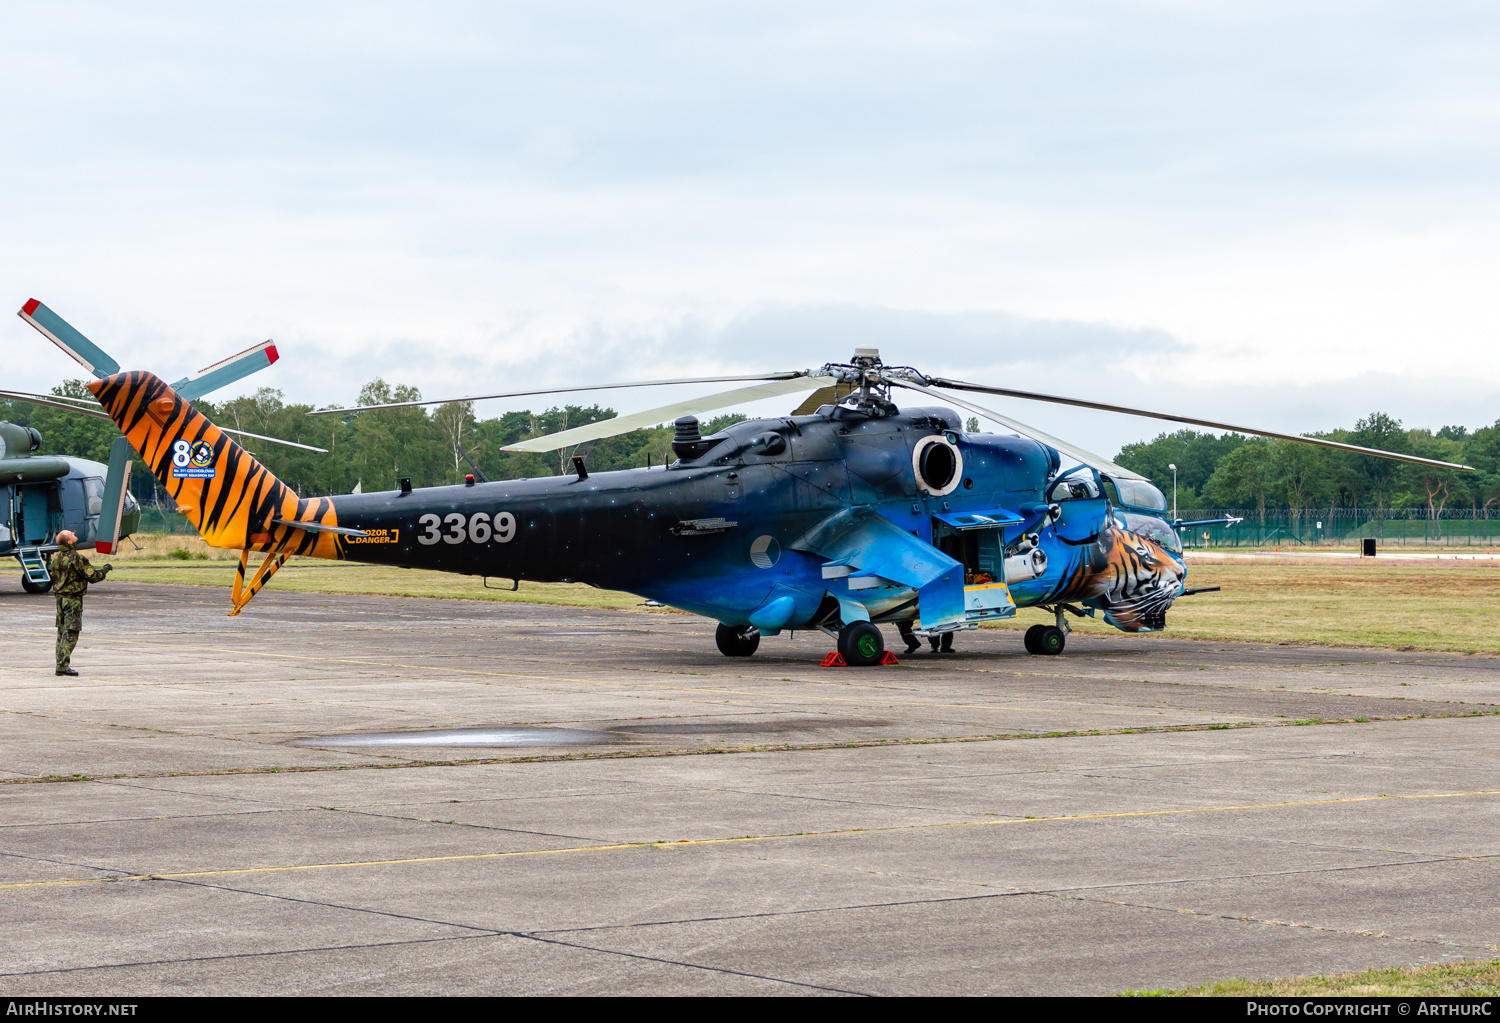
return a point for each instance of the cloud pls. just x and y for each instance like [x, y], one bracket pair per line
[1276, 210]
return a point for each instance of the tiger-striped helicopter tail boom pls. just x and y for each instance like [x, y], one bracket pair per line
[90, 499]
[232, 500]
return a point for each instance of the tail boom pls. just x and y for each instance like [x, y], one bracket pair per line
[232, 500]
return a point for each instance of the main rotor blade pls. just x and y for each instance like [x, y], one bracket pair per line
[1071, 450]
[55, 401]
[1081, 403]
[650, 417]
[564, 390]
[88, 407]
[273, 440]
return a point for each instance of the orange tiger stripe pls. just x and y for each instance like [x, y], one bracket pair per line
[235, 507]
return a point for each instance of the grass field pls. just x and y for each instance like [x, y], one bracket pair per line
[1442, 980]
[1417, 605]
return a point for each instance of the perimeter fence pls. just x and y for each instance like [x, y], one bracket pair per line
[1344, 527]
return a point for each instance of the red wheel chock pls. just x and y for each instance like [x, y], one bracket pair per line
[834, 659]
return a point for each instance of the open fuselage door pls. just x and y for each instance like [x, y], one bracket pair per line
[978, 541]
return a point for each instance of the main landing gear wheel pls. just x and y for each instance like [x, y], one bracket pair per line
[1032, 635]
[737, 640]
[861, 644]
[1049, 640]
[31, 587]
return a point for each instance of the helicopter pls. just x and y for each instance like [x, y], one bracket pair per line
[840, 518]
[42, 495]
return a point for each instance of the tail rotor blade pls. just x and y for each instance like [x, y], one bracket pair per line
[227, 371]
[63, 334]
[116, 483]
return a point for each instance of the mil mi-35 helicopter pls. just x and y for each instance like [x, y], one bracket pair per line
[855, 515]
[41, 495]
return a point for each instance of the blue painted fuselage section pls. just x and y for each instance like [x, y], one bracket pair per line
[735, 531]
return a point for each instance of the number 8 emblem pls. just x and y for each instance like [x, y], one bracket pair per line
[180, 453]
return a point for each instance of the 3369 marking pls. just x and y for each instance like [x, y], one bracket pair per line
[456, 527]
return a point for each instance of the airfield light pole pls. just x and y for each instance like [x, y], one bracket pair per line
[1174, 491]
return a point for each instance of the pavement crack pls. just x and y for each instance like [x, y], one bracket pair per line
[692, 966]
[1232, 918]
[182, 960]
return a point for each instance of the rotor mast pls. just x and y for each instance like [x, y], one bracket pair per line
[868, 375]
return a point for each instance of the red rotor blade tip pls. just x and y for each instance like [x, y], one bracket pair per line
[30, 307]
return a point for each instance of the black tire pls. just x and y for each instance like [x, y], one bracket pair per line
[861, 644]
[733, 640]
[1032, 635]
[1051, 640]
[31, 587]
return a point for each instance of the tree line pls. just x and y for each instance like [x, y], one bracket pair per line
[373, 449]
[1232, 471]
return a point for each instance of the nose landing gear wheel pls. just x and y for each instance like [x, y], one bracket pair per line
[861, 644]
[737, 640]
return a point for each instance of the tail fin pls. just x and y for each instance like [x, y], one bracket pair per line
[232, 499]
[116, 486]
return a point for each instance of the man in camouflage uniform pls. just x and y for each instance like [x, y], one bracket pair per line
[71, 574]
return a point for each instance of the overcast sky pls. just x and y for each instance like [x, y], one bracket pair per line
[1281, 214]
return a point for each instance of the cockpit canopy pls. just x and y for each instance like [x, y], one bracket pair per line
[1077, 485]
[1138, 504]
[1082, 482]
[1152, 528]
[1136, 494]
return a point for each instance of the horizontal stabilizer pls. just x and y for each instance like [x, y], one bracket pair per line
[62, 333]
[227, 371]
[318, 527]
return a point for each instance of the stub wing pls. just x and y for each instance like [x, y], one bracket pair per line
[862, 546]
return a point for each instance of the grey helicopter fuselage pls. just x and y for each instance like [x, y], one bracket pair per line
[41, 495]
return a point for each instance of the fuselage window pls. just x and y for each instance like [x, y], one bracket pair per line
[93, 495]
